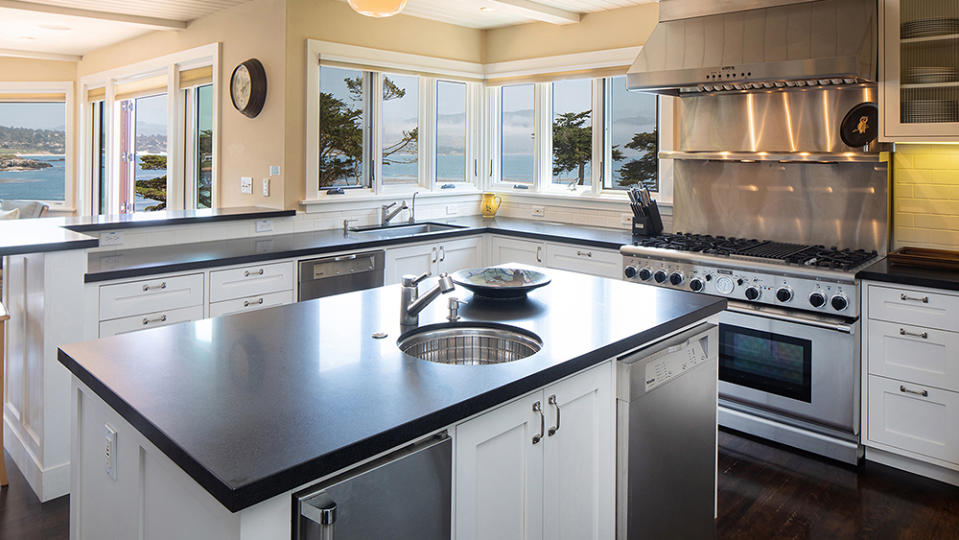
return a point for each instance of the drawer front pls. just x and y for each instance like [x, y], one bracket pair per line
[239, 283]
[916, 418]
[150, 296]
[915, 354]
[150, 320]
[930, 310]
[598, 262]
[251, 303]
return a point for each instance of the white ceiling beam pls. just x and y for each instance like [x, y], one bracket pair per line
[155, 22]
[537, 11]
[37, 55]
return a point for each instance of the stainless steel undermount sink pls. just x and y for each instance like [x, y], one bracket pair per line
[470, 344]
[407, 229]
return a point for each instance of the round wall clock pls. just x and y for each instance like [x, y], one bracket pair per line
[248, 87]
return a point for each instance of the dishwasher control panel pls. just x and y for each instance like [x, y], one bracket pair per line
[674, 361]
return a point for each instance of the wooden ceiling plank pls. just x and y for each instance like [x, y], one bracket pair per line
[155, 22]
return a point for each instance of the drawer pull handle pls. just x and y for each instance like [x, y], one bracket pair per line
[162, 285]
[924, 299]
[552, 401]
[538, 408]
[584, 253]
[161, 318]
[923, 393]
[539, 253]
[248, 303]
[923, 335]
[247, 273]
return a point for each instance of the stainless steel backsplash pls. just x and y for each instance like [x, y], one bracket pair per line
[841, 204]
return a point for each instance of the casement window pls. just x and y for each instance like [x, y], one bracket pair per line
[632, 136]
[516, 135]
[36, 143]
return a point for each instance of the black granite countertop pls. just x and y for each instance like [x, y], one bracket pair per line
[909, 275]
[19, 236]
[121, 264]
[255, 404]
[169, 217]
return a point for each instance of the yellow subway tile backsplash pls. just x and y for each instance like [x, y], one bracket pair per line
[926, 196]
[936, 192]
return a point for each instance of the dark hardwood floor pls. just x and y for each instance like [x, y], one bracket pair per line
[765, 491]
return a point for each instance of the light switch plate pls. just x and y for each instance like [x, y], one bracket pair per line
[626, 219]
[539, 211]
[110, 450]
[246, 185]
[264, 225]
[266, 187]
[274, 170]
[111, 238]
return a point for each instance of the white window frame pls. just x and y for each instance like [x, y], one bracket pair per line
[379, 62]
[189, 118]
[171, 65]
[68, 204]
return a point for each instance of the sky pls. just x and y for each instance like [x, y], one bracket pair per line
[33, 115]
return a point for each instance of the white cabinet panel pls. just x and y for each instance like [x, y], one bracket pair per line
[150, 296]
[251, 303]
[460, 255]
[914, 307]
[579, 457]
[416, 259]
[916, 354]
[916, 418]
[499, 473]
[598, 262]
[506, 250]
[250, 280]
[150, 320]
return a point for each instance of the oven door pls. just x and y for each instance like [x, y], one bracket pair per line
[791, 364]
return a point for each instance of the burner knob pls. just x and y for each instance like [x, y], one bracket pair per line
[659, 276]
[784, 294]
[817, 299]
[676, 278]
[839, 302]
[630, 272]
[696, 284]
[752, 293]
[645, 274]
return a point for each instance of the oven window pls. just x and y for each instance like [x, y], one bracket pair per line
[765, 361]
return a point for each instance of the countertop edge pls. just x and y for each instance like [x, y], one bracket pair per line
[278, 483]
[264, 214]
[909, 276]
[65, 245]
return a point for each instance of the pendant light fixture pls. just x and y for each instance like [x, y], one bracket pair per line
[377, 8]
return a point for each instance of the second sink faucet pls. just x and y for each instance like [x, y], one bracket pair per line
[411, 304]
[386, 215]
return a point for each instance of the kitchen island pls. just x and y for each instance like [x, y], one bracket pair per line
[215, 422]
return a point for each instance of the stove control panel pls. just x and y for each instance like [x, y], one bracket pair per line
[784, 290]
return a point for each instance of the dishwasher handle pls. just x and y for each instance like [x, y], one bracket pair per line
[321, 509]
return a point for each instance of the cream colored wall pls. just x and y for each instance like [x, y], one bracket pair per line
[623, 27]
[333, 20]
[27, 69]
[926, 196]
[247, 146]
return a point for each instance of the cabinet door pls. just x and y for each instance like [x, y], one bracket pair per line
[499, 473]
[150, 320]
[598, 262]
[251, 280]
[460, 254]
[415, 260]
[579, 457]
[507, 250]
[913, 417]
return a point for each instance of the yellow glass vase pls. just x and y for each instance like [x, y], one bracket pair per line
[490, 204]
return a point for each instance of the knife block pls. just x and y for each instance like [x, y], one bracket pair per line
[649, 223]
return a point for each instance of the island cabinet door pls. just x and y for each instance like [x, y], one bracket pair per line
[460, 255]
[580, 457]
[414, 260]
[499, 473]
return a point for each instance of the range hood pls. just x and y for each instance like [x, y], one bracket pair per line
[723, 46]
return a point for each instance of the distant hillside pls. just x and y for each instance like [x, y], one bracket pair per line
[15, 140]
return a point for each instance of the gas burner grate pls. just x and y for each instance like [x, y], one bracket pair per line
[773, 250]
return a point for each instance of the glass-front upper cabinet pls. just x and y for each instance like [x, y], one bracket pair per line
[919, 70]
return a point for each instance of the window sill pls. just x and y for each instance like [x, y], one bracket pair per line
[369, 197]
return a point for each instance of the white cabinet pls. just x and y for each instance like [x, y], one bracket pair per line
[541, 466]
[150, 320]
[250, 280]
[251, 303]
[506, 250]
[137, 305]
[916, 418]
[598, 262]
[432, 259]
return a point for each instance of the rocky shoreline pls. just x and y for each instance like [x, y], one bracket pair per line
[14, 163]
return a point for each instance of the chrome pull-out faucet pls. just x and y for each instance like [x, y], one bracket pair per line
[411, 303]
[386, 215]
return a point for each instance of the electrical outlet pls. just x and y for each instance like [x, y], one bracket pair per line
[266, 187]
[539, 211]
[264, 225]
[626, 219]
[451, 210]
[110, 451]
[274, 170]
[246, 185]
[111, 238]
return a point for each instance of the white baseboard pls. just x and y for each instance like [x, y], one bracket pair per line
[47, 483]
[913, 466]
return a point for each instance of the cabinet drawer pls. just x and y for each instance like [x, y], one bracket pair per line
[150, 296]
[251, 303]
[916, 418]
[918, 308]
[150, 320]
[598, 262]
[250, 281]
[915, 354]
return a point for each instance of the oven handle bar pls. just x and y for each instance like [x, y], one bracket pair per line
[844, 328]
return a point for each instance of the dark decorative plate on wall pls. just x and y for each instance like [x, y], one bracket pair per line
[502, 282]
[860, 126]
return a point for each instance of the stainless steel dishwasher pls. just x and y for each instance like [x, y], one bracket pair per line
[340, 274]
[406, 494]
[666, 437]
